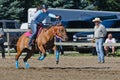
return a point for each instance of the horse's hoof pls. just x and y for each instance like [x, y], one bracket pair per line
[27, 65]
[16, 64]
[41, 58]
[57, 62]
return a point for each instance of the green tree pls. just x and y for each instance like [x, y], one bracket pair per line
[113, 5]
[109, 5]
[69, 4]
[10, 9]
[60, 3]
[26, 4]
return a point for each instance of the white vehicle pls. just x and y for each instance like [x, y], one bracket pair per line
[31, 12]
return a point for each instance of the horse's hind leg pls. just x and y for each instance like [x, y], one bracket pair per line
[29, 54]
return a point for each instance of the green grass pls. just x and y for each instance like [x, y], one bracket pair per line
[71, 53]
[11, 51]
[118, 52]
[67, 54]
[78, 54]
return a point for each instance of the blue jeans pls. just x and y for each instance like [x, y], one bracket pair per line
[34, 32]
[99, 49]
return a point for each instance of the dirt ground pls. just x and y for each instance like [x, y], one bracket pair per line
[69, 68]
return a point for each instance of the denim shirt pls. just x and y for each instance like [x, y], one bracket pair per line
[40, 16]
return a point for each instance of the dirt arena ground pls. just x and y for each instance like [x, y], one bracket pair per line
[69, 68]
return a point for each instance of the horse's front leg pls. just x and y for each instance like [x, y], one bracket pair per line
[56, 54]
[42, 57]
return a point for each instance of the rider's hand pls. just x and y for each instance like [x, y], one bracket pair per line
[57, 17]
[1, 36]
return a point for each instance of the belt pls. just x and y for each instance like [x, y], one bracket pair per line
[99, 37]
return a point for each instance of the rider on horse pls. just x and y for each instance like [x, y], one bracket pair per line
[39, 17]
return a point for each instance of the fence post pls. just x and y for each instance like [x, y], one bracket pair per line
[55, 45]
[8, 41]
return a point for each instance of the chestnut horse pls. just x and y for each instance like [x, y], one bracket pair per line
[44, 41]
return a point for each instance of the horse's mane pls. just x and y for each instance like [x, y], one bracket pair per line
[59, 24]
[47, 28]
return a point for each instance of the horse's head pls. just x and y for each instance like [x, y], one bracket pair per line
[60, 32]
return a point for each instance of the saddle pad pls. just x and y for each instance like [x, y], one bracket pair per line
[28, 33]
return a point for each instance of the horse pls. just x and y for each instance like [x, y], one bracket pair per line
[43, 42]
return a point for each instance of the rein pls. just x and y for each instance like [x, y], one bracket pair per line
[56, 35]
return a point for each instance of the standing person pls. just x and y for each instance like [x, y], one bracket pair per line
[2, 42]
[41, 14]
[99, 35]
[94, 53]
[110, 39]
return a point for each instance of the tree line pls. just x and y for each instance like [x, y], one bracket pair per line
[17, 9]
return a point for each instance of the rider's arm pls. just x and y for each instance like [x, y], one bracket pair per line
[37, 14]
[52, 15]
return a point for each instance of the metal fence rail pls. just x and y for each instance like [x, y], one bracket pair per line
[15, 30]
[64, 43]
[91, 30]
[84, 44]
[8, 36]
[68, 30]
[88, 44]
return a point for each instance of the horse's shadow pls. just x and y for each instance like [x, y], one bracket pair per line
[65, 68]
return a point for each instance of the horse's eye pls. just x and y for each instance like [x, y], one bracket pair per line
[62, 30]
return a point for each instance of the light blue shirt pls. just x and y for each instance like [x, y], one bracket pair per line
[40, 16]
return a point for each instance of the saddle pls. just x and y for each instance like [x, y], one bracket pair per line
[39, 29]
[28, 33]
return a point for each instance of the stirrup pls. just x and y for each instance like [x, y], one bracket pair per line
[33, 42]
[30, 47]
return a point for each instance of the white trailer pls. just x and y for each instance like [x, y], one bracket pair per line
[73, 14]
[70, 14]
